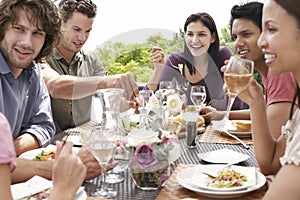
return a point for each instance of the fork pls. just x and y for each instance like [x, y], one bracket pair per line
[235, 137]
[220, 125]
[214, 173]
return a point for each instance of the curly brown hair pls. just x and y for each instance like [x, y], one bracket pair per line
[42, 12]
[85, 7]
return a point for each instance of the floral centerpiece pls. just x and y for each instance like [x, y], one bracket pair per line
[152, 152]
[168, 99]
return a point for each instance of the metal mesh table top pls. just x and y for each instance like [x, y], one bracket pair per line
[127, 189]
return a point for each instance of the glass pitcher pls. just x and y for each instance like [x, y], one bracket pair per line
[111, 120]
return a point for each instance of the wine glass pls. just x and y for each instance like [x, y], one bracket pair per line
[144, 96]
[103, 149]
[165, 85]
[237, 75]
[198, 95]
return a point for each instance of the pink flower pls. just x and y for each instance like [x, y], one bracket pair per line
[143, 158]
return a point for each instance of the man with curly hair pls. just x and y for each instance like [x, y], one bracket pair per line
[28, 32]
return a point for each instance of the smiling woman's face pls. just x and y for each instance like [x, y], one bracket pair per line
[280, 39]
[198, 38]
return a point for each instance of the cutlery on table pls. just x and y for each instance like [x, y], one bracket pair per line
[213, 173]
[220, 125]
[235, 137]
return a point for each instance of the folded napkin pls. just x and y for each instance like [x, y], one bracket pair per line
[33, 186]
[221, 125]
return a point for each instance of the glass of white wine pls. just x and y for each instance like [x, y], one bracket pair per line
[198, 95]
[103, 149]
[237, 75]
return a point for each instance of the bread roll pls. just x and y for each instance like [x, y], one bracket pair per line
[179, 118]
[243, 125]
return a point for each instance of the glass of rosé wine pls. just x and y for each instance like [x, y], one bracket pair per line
[237, 75]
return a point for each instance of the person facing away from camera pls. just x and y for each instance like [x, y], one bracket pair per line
[65, 181]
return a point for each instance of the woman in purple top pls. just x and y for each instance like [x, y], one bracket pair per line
[198, 64]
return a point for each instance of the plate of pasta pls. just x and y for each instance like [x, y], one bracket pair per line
[228, 179]
[186, 178]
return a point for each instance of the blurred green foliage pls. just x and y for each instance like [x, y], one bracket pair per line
[119, 58]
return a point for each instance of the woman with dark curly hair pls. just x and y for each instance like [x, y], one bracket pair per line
[279, 41]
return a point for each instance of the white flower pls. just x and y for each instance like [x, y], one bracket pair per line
[169, 99]
[174, 104]
[154, 100]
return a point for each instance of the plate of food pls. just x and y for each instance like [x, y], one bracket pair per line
[42, 154]
[241, 128]
[227, 179]
[184, 178]
[45, 153]
[223, 156]
[38, 188]
[80, 195]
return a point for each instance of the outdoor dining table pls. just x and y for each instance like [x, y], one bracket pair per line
[208, 141]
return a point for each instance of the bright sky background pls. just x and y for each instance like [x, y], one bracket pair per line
[119, 20]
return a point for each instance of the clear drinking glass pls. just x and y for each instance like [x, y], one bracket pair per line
[190, 116]
[198, 95]
[103, 149]
[237, 75]
[165, 85]
[144, 96]
[112, 126]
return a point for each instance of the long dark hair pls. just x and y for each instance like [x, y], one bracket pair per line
[292, 7]
[43, 11]
[213, 50]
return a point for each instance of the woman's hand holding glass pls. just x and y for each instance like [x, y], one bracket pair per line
[237, 75]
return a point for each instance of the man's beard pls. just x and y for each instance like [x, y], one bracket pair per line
[12, 61]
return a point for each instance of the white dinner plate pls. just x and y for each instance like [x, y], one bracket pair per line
[32, 153]
[221, 156]
[36, 185]
[142, 133]
[241, 134]
[201, 180]
[184, 178]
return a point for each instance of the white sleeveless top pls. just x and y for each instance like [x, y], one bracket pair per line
[292, 132]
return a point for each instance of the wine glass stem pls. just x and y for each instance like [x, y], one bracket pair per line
[103, 188]
[231, 99]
